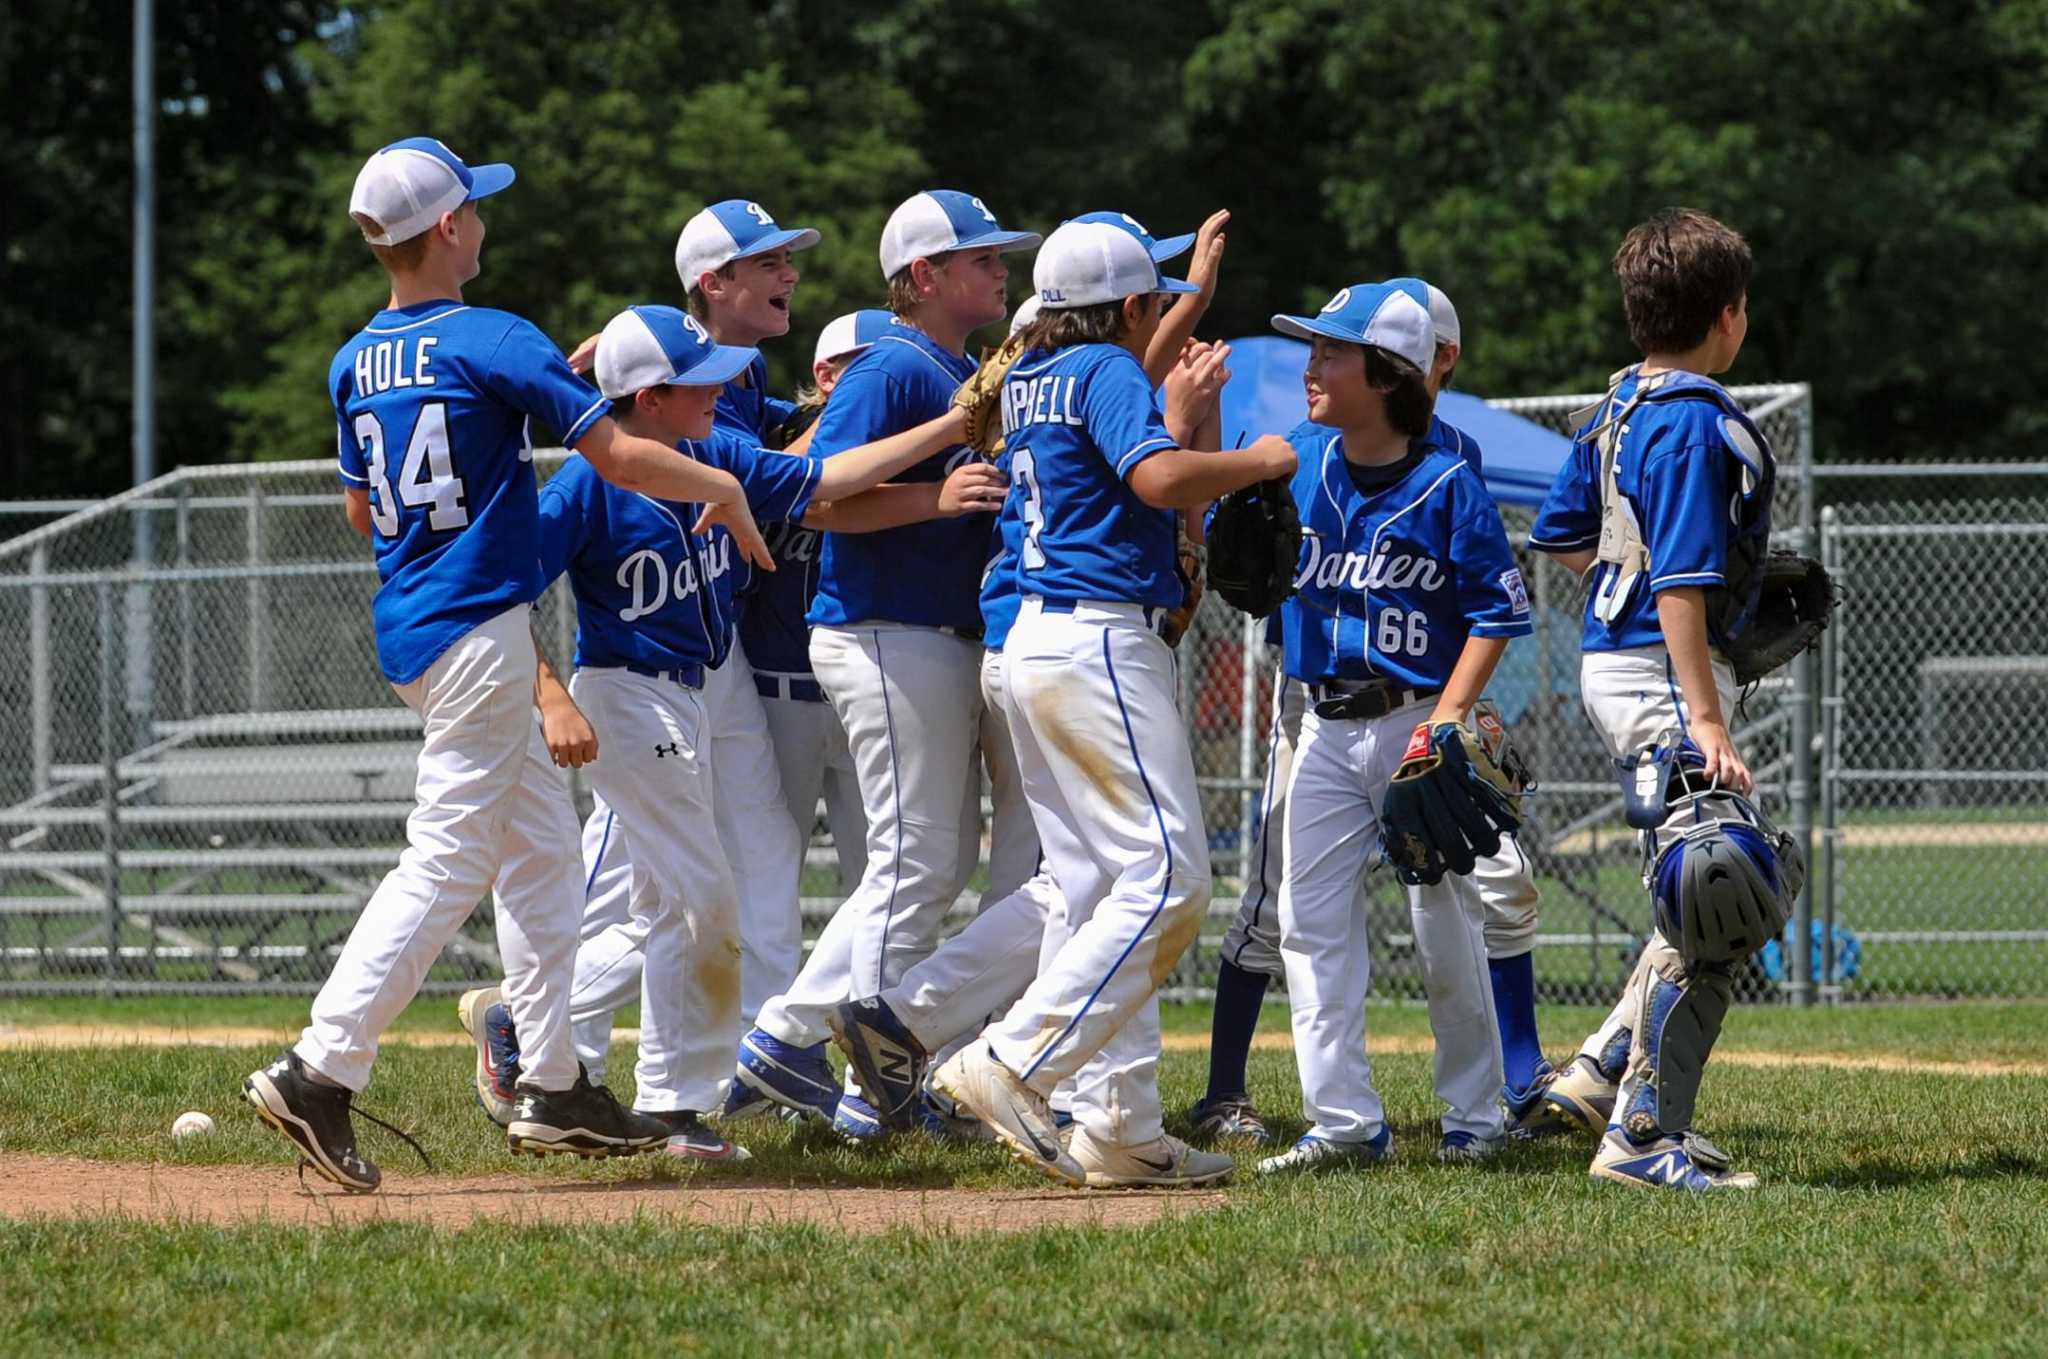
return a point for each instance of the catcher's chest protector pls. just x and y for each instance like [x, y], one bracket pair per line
[1621, 535]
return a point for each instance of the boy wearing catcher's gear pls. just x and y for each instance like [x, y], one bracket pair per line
[435, 400]
[651, 626]
[895, 644]
[1096, 480]
[1666, 501]
[1407, 598]
[1505, 881]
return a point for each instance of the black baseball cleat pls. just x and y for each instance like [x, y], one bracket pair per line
[584, 1120]
[887, 1058]
[315, 1118]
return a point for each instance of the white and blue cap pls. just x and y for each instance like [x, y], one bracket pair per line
[1173, 247]
[1086, 263]
[1443, 317]
[407, 186]
[845, 336]
[645, 347]
[1383, 315]
[941, 220]
[1027, 312]
[730, 231]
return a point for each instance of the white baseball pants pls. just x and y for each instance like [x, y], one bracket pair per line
[654, 771]
[1632, 698]
[909, 701]
[812, 759]
[487, 793]
[1505, 881]
[1105, 763]
[1332, 833]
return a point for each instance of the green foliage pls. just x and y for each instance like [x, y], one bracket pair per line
[1880, 156]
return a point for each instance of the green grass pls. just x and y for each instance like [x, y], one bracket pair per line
[1901, 1213]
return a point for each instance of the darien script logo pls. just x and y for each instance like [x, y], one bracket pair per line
[646, 577]
[1355, 571]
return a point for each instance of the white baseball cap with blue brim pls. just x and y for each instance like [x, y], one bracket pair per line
[646, 347]
[1383, 315]
[407, 186]
[1083, 264]
[845, 336]
[1173, 247]
[732, 230]
[938, 221]
[1027, 312]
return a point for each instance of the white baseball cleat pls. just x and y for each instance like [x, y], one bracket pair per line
[1321, 1153]
[1164, 1162]
[1019, 1116]
[1466, 1148]
[1578, 1099]
[1687, 1162]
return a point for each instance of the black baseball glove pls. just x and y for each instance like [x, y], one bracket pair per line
[1792, 609]
[1447, 807]
[1254, 542]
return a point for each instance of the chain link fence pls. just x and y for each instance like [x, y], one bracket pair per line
[212, 776]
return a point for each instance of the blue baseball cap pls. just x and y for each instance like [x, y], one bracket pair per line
[845, 336]
[941, 220]
[1173, 247]
[645, 347]
[730, 231]
[1443, 317]
[1383, 315]
[406, 187]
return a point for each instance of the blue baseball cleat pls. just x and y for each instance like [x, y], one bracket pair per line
[1688, 1163]
[1321, 1153]
[798, 1079]
[488, 1022]
[856, 1120]
[1578, 1099]
[886, 1057]
[1467, 1148]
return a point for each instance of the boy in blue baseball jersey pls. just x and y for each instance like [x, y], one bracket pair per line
[1096, 480]
[435, 402]
[895, 643]
[1666, 502]
[1406, 597]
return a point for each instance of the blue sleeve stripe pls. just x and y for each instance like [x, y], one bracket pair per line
[1135, 455]
[581, 425]
[351, 478]
[1563, 544]
[1522, 629]
[1688, 578]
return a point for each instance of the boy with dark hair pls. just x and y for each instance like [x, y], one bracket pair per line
[1666, 499]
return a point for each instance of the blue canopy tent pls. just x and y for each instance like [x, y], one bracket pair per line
[1265, 397]
[1520, 461]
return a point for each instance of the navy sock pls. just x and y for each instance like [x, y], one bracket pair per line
[1514, 1007]
[1239, 994]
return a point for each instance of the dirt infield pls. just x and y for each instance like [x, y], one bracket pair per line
[61, 1186]
[109, 1035]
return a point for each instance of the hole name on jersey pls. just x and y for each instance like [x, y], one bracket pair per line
[1046, 400]
[383, 366]
[646, 576]
[1358, 571]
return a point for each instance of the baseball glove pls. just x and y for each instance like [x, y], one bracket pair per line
[981, 396]
[1254, 542]
[1792, 608]
[1189, 569]
[1447, 807]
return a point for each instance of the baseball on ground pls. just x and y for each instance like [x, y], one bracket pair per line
[192, 1124]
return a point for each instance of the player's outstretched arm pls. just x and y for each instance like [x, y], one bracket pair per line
[977, 488]
[1179, 326]
[1682, 614]
[854, 470]
[1182, 479]
[643, 466]
[1469, 678]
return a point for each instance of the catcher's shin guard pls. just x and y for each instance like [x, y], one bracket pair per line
[1682, 1009]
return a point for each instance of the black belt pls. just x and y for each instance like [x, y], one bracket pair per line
[1155, 616]
[789, 686]
[1363, 700]
[689, 676]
